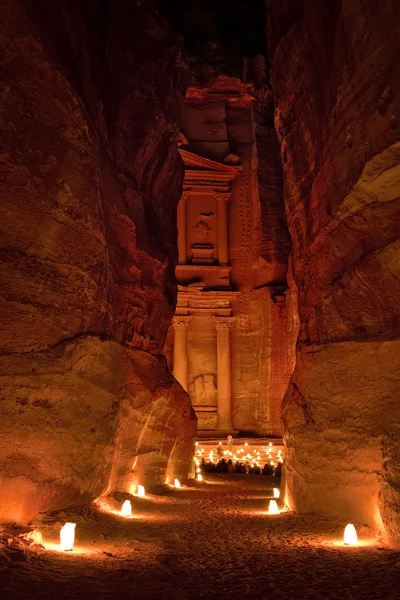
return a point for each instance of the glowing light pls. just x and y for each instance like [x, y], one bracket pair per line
[67, 536]
[246, 444]
[252, 464]
[199, 477]
[220, 443]
[140, 491]
[273, 508]
[270, 444]
[198, 470]
[126, 509]
[35, 536]
[277, 493]
[177, 483]
[350, 535]
[197, 443]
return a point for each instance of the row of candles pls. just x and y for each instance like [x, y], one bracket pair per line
[67, 533]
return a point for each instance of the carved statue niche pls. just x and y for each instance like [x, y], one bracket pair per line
[205, 390]
[202, 249]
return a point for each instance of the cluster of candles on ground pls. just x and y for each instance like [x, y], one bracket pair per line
[255, 457]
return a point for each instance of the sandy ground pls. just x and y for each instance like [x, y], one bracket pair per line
[209, 540]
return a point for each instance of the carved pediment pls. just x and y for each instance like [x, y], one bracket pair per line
[194, 161]
[205, 172]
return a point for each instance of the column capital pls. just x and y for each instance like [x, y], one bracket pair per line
[221, 322]
[222, 196]
[181, 321]
[185, 194]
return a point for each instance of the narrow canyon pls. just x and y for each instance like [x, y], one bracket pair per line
[200, 243]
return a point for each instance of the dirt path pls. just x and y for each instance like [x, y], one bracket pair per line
[212, 540]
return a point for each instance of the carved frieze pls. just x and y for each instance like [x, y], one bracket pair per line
[181, 320]
[221, 322]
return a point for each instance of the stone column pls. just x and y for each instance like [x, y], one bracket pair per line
[180, 324]
[182, 226]
[222, 215]
[222, 325]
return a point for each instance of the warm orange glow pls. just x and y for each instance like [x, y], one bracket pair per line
[198, 470]
[140, 491]
[246, 444]
[197, 443]
[277, 493]
[67, 536]
[350, 535]
[126, 509]
[273, 508]
[177, 483]
[36, 537]
[199, 477]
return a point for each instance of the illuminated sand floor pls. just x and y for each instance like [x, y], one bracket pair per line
[211, 540]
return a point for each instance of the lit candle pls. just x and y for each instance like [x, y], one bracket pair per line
[177, 483]
[273, 507]
[140, 491]
[67, 536]
[277, 493]
[199, 477]
[126, 509]
[350, 535]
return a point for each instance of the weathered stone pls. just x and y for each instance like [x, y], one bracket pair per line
[335, 82]
[90, 179]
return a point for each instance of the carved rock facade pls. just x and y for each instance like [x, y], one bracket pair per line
[235, 355]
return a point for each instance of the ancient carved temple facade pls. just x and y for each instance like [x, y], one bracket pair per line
[227, 345]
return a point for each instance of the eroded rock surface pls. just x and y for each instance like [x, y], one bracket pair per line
[336, 89]
[90, 178]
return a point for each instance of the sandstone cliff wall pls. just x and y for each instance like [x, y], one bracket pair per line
[336, 90]
[89, 181]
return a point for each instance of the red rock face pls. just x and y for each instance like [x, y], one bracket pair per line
[335, 82]
[90, 178]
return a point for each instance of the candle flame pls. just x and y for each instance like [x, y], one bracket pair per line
[350, 535]
[273, 508]
[126, 509]
[67, 536]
